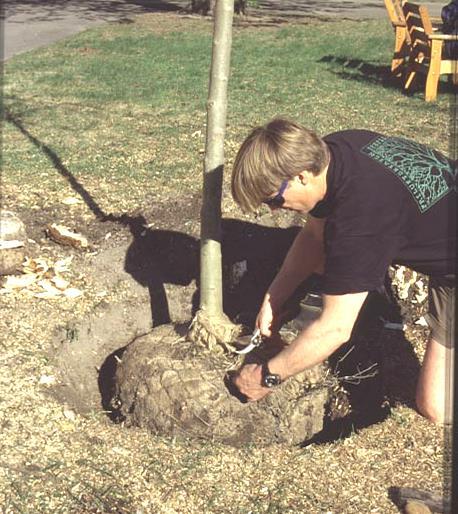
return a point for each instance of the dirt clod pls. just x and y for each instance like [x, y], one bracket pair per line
[171, 386]
[13, 241]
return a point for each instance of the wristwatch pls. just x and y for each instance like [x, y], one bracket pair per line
[269, 379]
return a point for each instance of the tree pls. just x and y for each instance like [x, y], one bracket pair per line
[210, 325]
[207, 7]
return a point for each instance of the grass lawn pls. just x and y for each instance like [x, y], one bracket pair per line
[123, 106]
[116, 115]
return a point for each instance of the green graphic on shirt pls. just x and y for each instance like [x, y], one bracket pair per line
[427, 174]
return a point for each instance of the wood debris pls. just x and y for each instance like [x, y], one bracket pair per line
[9, 245]
[409, 285]
[47, 380]
[17, 282]
[65, 236]
[72, 292]
[71, 200]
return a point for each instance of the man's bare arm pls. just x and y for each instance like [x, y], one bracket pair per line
[322, 337]
[305, 256]
[312, 346]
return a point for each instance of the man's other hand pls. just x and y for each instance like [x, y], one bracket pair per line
[248, 382]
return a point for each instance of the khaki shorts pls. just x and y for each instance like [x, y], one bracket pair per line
[441, 315]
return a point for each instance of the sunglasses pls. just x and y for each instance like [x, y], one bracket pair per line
[278, 200]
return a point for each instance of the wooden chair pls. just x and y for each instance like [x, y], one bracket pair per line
[426, 50]
[401, 36]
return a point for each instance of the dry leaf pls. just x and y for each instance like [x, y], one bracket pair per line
[70, 414]
[19, 281]
[37, 266]
[71, 200]
[60, 282]
[65, 236]
[62, 265]
[72, 292]
[49, 287]
[47, 379]
[8, 245]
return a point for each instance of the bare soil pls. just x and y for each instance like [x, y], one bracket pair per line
[154, 274]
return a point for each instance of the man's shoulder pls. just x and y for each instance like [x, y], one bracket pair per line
[350, 134]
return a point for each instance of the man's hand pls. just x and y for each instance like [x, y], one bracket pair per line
[248, 382]
[266, 318]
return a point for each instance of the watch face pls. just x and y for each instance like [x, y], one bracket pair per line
[271, 380]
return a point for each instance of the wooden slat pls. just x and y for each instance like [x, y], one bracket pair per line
[444, 37]
[425, 20]
[394, 10]
[449, 67]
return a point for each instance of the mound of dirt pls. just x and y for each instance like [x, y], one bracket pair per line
[170, 386]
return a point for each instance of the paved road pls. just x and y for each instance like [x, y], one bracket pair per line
[29, 24]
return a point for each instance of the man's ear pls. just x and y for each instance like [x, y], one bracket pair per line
[302, 177]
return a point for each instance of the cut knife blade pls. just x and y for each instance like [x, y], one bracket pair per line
[255, 341]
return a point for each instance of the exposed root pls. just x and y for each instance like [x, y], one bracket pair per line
[216, 333]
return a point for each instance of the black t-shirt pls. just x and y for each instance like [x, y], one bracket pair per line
[388, 200]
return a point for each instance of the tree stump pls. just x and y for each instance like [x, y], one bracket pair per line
[174, 387]
[13, 241]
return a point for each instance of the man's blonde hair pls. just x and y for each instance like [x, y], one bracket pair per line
[274, 152]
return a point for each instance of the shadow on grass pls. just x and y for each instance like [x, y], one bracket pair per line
[367, 72]
[361, 71]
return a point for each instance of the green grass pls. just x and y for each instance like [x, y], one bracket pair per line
[120, 106]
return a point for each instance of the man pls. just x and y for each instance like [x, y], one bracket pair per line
[372, 201]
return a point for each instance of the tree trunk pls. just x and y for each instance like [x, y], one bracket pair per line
[207, 7]
[211, 267]
[210, 323]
